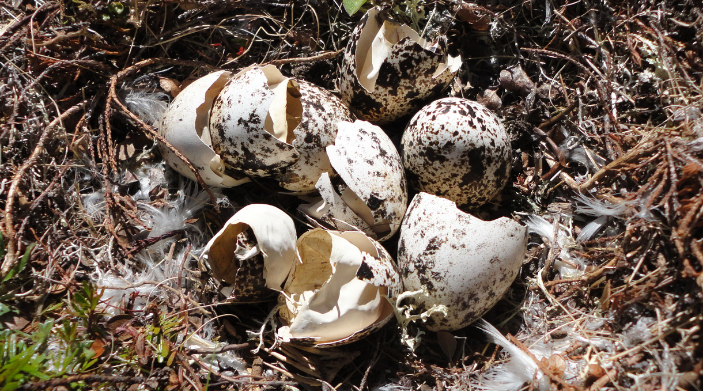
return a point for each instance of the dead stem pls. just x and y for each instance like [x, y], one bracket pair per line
[12, 243]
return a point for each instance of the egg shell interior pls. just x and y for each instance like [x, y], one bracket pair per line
[326, 301]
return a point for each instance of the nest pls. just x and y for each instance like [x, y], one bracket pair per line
[102, 283]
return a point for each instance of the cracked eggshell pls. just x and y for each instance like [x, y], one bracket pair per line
[322, 111]
[185, 126]
[388, 70]
[374, 195]
[457, 149]
[265, 124]
[339, 290]
[461, 261]
[253, 253]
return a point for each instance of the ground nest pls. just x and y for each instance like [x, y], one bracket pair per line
[103, 285]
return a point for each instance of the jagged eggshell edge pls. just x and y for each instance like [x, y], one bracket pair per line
[375, 268]
[408, 76]
[368, 162]
[238, 124]
[462, 262]
[275, 235]
[187, 115]
[318, 128]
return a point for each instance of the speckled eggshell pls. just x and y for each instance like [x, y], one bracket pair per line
[407, 77]
[457, 149]
[185, 127]
[368, 162]
[461, 261]
[339, 291]
[237, 124]
[318, 128]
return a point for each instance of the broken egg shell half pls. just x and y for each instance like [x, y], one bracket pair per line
[265, 124]
[457, 149]
[388, 71]
[185, 125]
[339, 290]
[253, 253]
[373, 196]
[459, 260]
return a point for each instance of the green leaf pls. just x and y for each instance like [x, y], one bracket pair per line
[21, 264]
[351, 6]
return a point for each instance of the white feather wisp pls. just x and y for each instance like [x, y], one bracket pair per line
[148, 106]
[511, 374]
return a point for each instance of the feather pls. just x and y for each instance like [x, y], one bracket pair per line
[148, 106]
[592, 228]
[94, 204]
[597, 208]
[513, 373]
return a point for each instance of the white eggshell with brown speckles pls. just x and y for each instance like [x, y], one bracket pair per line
[457, 149]
[374, 195]
[339, 290]
[461, 261]
[264, 124]
[185, 126]
[239, 122]
[388, 71]
[318, 128]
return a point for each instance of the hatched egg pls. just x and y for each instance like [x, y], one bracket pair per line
[185, 125]
[268, 125]
[457, 149]
[459, 261]
[371, 192]
[253, 253]
[389, 70]
[339, 290]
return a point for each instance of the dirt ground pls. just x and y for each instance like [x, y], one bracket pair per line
[102, 283]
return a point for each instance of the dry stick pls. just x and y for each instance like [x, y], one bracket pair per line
[629, 156]
[50, 384]
[603, 380]
[11, 256]
[559, 116]
[47, 7]
[226, 348]
[299, 60]
[112, 96]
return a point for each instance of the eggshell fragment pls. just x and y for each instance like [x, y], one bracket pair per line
[322, 111]
[374, 195]
[185, 126]
[338, 291]
[457, 149]
[255, 250]
[462, 262]
[265, 124]
[388, 70]
[253, 119]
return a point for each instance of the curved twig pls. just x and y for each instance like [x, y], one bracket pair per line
[11, 256]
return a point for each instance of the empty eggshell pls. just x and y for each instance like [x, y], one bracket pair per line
[460, 261]
[264, 124]
[185, 126]
[373, 196]
[389, 70]
[457, 149]
[339, 290]
[253, 253]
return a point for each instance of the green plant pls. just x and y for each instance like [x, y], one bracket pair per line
[19, 266]
[352, 6]
[22, 357]
[85, 303]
